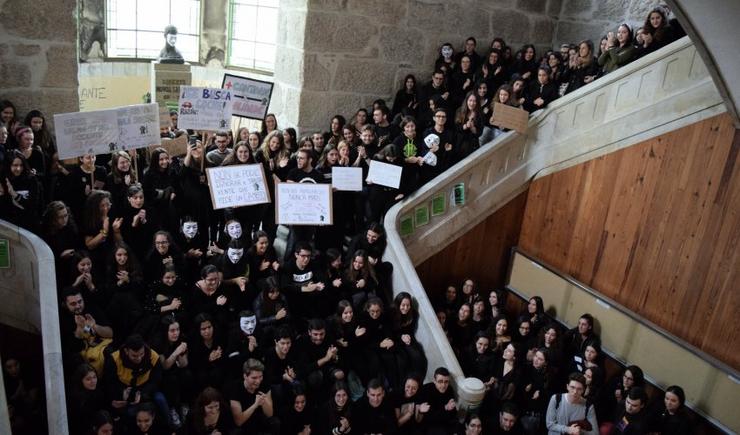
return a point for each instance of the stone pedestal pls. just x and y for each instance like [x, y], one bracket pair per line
[166, 79]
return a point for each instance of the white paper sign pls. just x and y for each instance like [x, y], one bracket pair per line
[204, 108]
[384, 174]
[238, 185]
[251, 97]
[346, 178]
[303, 204]
[106, 131]
[138, 126]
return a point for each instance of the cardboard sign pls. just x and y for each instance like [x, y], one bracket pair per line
[175, 147]
[251, 97]
[349, 179]
[237, 185]
[106, 131]
[164, 117]
[513, 118]
[384, 174]
[303, 204]
[204, 108]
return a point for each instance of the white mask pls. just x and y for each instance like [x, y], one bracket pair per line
[447, 52]
[234, 254]
[248, 324]
[234, 230]
[190, 229]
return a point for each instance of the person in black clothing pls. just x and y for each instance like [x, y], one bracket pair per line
[281, 365]
[318, 359]
[297, 417]
[526, 66]
[20, 193]
[337, 416]
[442, 415]
[304, 172]
[84, 399]
[194, 246]
[251, 402]
[447, 153]
[508, 421]
[374, 414]
[207, 357]
[406, 100]
[576, 339]
[469, 50]
[385, 132]
[436, 87]
[632, 420]
[245, 341]
[541, 92]
[84, 331]
[160, 184]
[462, 80]
[303, 286]
[671, 415]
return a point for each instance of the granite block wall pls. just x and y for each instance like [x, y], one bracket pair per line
[38, 55]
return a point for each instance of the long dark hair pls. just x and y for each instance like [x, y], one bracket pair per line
[92, 220]
[208, 395]
[132, 266]
[42, 138]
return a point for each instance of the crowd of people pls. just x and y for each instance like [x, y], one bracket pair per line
[541, 378]
[179, 318]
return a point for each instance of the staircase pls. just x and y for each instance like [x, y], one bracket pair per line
[659, 93]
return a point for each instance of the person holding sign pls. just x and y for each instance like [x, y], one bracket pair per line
[304, 172]
[330, 236]
[196, 199]
[381, 198]
[248, 215]
[490, 132]
[275, 159]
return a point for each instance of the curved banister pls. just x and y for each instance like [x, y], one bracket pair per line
[649, 97]
[29, 294]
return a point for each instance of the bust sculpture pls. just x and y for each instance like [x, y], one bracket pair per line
[169, 53]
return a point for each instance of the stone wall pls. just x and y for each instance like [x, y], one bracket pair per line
[354, 51]
[38, 55]
[592, 19]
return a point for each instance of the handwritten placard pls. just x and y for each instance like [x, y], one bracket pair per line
[177, 146]
[237, 185]
[138, 126]
[506, 116]
[384, 174]
[251, 97]
[349, 179]
[106, 131]
[303, 204]
[204, 108]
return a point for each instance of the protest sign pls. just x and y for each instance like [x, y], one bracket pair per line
[303, 204]
[237, 185]
[204, 108]
[384, 174]
[346, 178]
[513, 118]
[177, 146]
[106, 131]
[138, 126]
[251, 97]
[164, 117]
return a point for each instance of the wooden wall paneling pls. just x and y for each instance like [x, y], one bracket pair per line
[481, 254]
[655, 227]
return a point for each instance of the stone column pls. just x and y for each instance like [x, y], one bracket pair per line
[38, 55]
